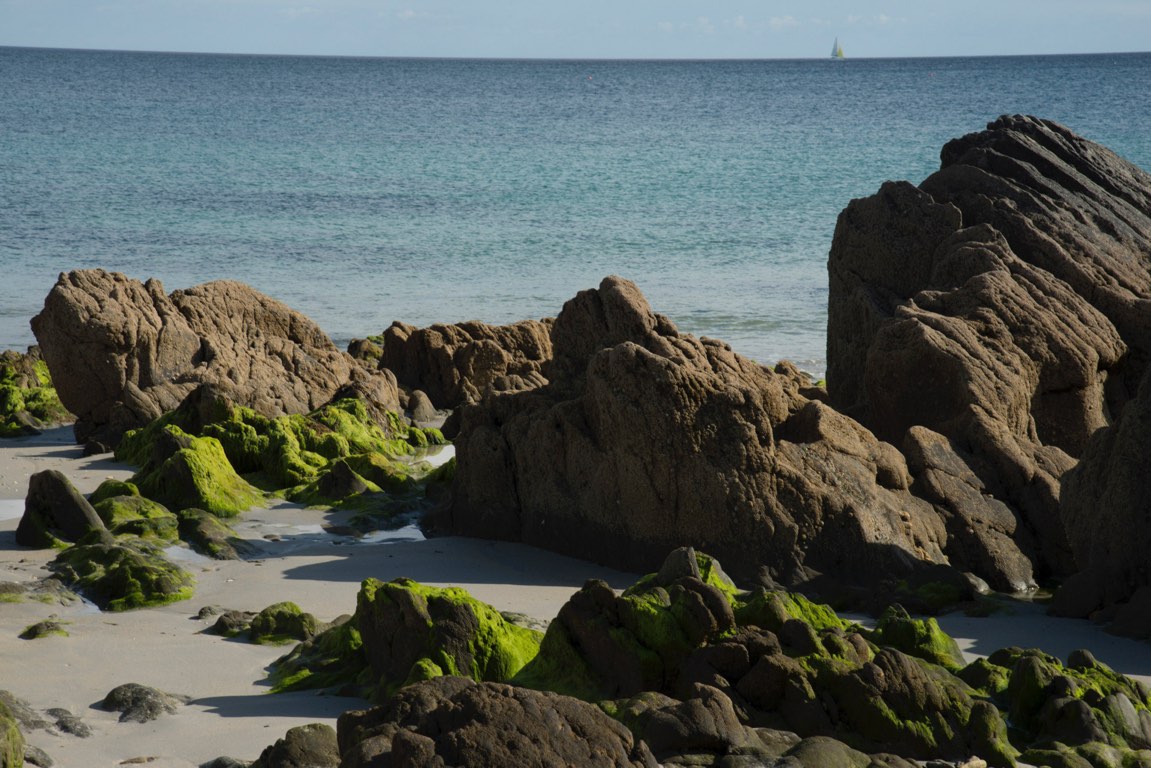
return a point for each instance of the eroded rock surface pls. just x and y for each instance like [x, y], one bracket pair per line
[645, 440]
[458, 363]
[1002, 304]
[123, 352]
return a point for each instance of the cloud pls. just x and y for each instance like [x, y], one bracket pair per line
[704, 25]
[666, 27]
[782, 22]
[406, 15]
[299, 12]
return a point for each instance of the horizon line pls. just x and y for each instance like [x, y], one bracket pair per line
[560, 58]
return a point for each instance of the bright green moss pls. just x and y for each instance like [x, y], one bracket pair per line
[47, 628]
[137, 516]
[917, 637]
[121, 574]
[282, 623]
[711, 573]
[769, 609]
[198, 476]
[333, 660]
[11, 740]
[110, 488]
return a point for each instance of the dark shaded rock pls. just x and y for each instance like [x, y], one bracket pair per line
[141, 704]
[232, 623]
[1002, 304]
[460, 722]
[122, 353]
[36, 756]
[826, 752]
[305, 746]
[211, 536]
[459, 363]
[226, 762]
[706, 722]
[21, 712]
[54, 511]
[122, 574]
[645, 440]
[1104, 508]
[421, 407]
[68, 723]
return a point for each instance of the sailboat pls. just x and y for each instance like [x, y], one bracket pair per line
[837, 50]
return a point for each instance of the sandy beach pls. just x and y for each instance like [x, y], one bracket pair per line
[230, 712]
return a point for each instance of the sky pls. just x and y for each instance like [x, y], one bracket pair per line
[677, 29]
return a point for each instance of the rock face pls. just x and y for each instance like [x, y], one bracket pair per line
[457, 363]
[456, 721]
[1003, 304]
[54, 511]
[645, 440]
[122, 352]
[1104, 505]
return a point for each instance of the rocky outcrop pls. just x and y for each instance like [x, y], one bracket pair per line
[123, 352]
[1104, 507]
[1002, 304]
[645, 440]
[305, 746]
[457, 721]
[458, 363]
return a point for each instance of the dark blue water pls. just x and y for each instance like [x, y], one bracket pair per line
[362, 191]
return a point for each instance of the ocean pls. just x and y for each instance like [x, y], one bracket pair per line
[361, 191]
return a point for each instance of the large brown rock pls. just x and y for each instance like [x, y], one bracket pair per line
[123, 352]
[458, 363]
[645, 440]
[1002, 304]
[1105, 505]
[455, 721]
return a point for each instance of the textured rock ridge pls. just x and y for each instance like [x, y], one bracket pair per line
[458, 363]
[123, 352]
[645, 440]
[1001, 304]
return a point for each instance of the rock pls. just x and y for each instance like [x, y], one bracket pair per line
[122, 353]
[54, 511]
[917, 637]
[28, 401]
[461, 722]
[122, 574]
[826, 752]
[141, 704]
[282, 623]
[704, 723]
[1002, 305]
[232, 623]
[137, 516]
[46, 628]
[36, 756]
[414, 632]
[646, 440]
[421, 407]
[459, 363]
[226, 762]
[305, 746]
[211, 536]
[68, 723]
[1104, 509]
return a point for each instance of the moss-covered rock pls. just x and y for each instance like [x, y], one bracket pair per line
[411, 631]
[46, 628]
[769, 609]
[282, 623]
[917, 637]
[333, 661]
[137, 516]
[210, 536]
[11, 740]
[119, 574]
[111, 488]
[196, 474]
[28, 401]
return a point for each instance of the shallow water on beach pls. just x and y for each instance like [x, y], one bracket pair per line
[362, 191]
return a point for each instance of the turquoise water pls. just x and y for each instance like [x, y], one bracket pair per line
[362, 191]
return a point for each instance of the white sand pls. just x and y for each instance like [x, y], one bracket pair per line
[231, 713]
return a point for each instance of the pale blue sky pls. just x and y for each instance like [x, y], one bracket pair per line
[584, 28]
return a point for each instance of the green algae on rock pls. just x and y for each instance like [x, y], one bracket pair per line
[137, 516]
[282, 623]
[28, 401]
[123, 573]
[196, 474]
[11, 740]
[917, 637]
[404, 631]
[46, 628]
[210, 536]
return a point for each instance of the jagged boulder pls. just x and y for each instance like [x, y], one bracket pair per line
[305, 746]
[457, 721]
[457, 363]
[1002, 304]
[123, 352]
[645, 440]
